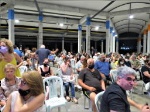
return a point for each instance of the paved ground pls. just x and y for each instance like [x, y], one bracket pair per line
[137, 96]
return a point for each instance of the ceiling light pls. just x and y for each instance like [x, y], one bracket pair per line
[131, 16]
[17, 21]
[97, 28]
[113, 31]
[61, 24]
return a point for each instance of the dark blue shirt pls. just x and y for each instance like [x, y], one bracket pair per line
[42, 54]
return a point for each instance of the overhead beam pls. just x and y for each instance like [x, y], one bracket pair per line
[48, 19]
[45, 34]
[83, 20]
[59, 8]
[133, 11]
[100, 11]
[38, 8]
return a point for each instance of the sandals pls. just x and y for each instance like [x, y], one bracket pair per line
[75, 100]
[72, 99]
[68, 98]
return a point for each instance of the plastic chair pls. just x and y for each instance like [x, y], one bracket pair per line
[55, 96]
[113, 75]
[143, 84]
[73, 62]
[59, 72]
[89, 104]
[23, 69]
[98, 100]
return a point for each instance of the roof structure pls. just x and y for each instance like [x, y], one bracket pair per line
[74, 12]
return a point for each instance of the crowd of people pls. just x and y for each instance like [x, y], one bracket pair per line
[93, 72]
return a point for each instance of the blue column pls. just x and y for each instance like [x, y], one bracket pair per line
[11, 25]
[79, 38]
[88, 34]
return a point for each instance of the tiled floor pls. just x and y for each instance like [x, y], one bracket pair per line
[137, 96]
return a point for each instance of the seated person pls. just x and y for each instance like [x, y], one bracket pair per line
[68, 79]
[103, 67]
[30, 96]
[45, 70]
[91, 81]
[79, 64]
[27, 62]
[9, 83]
[146, 75]
[115, 98]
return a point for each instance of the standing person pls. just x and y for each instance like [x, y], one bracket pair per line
[30, 96]
[7, 55]
[91, 81]
[9, 83]
[16, 50]
[45, 70]
[43, 53]
[114, 98]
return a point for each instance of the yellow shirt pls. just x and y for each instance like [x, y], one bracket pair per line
[2, 65]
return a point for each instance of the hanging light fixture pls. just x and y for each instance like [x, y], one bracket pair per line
[130, 15]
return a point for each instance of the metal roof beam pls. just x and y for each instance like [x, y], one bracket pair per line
[49, 19]
[133, 11]
[60, 8]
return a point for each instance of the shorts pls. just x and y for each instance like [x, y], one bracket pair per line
[87, 92]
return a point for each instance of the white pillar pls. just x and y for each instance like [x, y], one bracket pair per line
[83, 44]
[88, 34]
[139, 44]
[11, 25]
[113, 42]
[148, 40]
[117, 45]
[40, 36]
[102, 48]
[107, 35]
[144, 41]
[62, 43]
[79, 38]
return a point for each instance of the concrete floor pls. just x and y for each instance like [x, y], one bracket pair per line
[136, 96]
